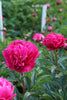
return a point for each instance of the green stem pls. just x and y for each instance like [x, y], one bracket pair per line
[23, 84]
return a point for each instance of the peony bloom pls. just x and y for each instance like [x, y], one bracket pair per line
[42, 32]
[48, 5]
[60, 10]
[32, 11]
[58, 2]
[4, 33]
[27, 35]
[54, 41]
[38, 37]
[49, 28]
[34, 14]
[65, 46]
[2, 18]
[2, 62]
[48, 20]
[6, 90]
[61, 17]
[54, 19]
[4, 29]
[21, 56]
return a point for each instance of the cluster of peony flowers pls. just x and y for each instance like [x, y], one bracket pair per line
[21, 56]
[54, 41]
[6, 90]
[38, 37]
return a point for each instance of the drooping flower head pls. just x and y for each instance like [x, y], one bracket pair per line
[54, 41]
[6, 90]
[38, 37]
[21, 56]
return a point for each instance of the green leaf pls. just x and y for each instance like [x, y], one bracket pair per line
[33, 78]
[2, 67]
[17, 96]
[62, 59]
[58, 97]
[27, 82]
[46, 96]
[27, 96]
[43, 79]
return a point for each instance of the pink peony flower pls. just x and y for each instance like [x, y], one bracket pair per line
[4, 34]
[2, 18]
[48, 5]
[54, 41]
[65, 46]
[54, 19]
[61, 17]
[6, 90]
[2, 62]
[48, 20]
[4, 29]
[42, 32]
[21, 56]
[38, 37]
[58, 2]
[32, 11]
[49, 28]
[60, 10]
[27, 35]
[34, 14]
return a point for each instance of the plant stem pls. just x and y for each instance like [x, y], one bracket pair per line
[56, 62]
[23, 84]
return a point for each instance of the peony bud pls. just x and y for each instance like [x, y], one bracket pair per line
[49, 28]
[54, 19]
[60, 10]
[58, 2]
[34, 14]
[48, 20]
[48, 5]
